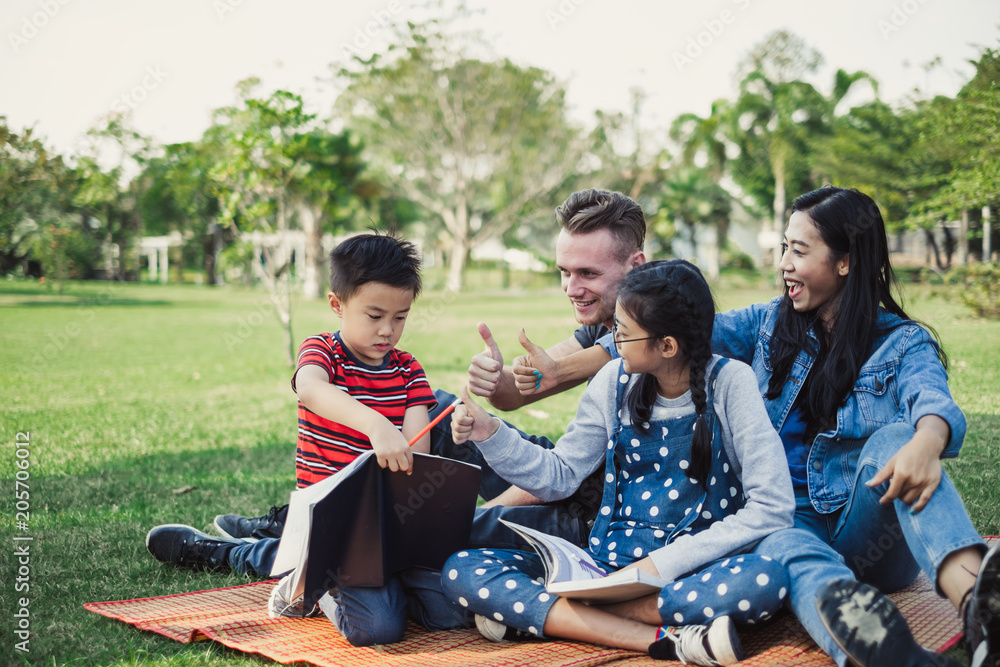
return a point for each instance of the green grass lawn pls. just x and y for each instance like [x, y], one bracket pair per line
[153, 404]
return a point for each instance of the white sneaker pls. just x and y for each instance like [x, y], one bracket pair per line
[278, 604]
[706, 645]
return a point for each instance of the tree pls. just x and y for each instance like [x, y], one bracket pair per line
[35, 188]
[692, 199]
[107, 193]
[777, 119]
[177, 196]
[328, 192]
[477, 143]
[968, 127]
[260, 154]
[705, 138]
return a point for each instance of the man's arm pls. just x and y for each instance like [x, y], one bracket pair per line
[489, 378]
[330, 402]
[537, 372]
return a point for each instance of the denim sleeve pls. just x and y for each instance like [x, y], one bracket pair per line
[607, 342]
[735, 333]
[923, 387]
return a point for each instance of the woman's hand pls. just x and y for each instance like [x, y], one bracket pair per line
[471, 422]
[915, 469]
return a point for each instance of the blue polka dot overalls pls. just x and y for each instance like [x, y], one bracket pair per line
[648, 502]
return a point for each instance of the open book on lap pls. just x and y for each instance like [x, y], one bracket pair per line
[570, 572]
[363, 524]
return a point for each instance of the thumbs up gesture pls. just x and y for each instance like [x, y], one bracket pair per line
[471, 422]
[485, 369]
[534, 372]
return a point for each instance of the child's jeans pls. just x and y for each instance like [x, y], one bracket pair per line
[368, 616]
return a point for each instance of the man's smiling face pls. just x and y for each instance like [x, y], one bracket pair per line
[592, 268]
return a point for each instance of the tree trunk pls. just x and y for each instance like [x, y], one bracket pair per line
[779, 211]
[987, 235]
[456, 263]
[963, 239]
[457, 222]
[312, 286]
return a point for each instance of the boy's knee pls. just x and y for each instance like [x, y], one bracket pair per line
[389, 631]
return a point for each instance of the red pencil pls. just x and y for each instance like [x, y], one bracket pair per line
[444, 413]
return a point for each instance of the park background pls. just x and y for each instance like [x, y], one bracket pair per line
[162, 231]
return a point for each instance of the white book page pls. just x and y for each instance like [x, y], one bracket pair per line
[564, 561]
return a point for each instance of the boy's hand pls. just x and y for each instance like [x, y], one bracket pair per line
[391, 448]
[484, 372]
[471, 422]
[536, 371]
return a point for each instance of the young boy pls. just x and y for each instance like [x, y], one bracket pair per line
[356, 392]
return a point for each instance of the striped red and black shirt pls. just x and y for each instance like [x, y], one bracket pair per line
[325, 446]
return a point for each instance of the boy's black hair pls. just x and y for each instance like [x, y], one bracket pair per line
[374, 258]
[672, 298]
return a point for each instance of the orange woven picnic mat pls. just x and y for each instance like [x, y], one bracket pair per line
[237, 617]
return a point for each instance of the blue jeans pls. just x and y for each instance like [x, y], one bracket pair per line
[883, 545]
[368, 616]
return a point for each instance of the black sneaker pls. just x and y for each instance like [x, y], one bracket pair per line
[498, 632]
[708, 645]
[868, 627]
[982, 613]
[270, 525]
[189, 547]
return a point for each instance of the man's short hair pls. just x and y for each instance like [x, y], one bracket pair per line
[374, 258]
[590, 210]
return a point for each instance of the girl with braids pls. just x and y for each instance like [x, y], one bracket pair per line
[694, 478]
[859, 395]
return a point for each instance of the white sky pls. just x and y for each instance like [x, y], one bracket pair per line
[61, 73]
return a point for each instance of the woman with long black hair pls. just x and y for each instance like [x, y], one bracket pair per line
[858, 392]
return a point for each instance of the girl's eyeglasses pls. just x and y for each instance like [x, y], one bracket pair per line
[618, 341]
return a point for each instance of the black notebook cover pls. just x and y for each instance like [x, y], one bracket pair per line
[378, 522]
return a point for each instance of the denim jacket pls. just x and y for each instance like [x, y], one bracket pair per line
[902, 381]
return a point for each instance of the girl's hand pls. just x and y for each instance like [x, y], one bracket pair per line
[471, 422]
[536, 371]
[915, 471]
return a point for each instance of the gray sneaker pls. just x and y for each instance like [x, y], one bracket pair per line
[279, 605]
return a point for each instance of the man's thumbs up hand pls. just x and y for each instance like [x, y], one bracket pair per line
[484, 371]
[534, 372]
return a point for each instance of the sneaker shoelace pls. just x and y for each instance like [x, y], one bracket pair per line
[690, 646]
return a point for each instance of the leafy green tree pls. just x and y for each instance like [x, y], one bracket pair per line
[177, 196]
[478, 144]
[328, 194]
[968, 129]
[692, 199]
[107, 193]
[260, 155]
[35, 187]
